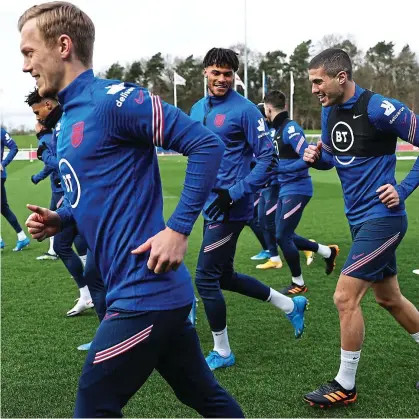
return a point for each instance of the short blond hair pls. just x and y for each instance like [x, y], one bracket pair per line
[59, 17]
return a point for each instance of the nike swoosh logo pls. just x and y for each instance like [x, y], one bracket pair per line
[357, 116]
[355, 257]
[211, 226]
[286, 202]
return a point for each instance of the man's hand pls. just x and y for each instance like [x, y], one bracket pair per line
[1, 167]
[388, 195]
[40, 150]
[221, 205]
[312, 153]
[33, 180]
[42, 223]
[167, 250]
[39, 127]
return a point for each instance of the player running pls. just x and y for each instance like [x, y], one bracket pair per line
[107, 158]
[359, 135]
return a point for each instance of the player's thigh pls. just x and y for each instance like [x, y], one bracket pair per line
[124, 352]
[261, 210]
[387, 290]
[3, 194]
[372, 254]
[218, 248]
[290, 209]
[350, 291]
[184, 367]
[271, 206]
[64, 240]
[256, 200]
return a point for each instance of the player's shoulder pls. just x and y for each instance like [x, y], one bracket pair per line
[383, 108]
[5, 136]
[113, 94]
[380, 102]
[45, 136]
[292, 127]
[197, 106]
[243, 103]
[245, 109]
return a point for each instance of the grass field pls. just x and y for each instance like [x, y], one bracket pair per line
[41, 366]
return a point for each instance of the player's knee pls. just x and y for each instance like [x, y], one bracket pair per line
[227, 282]
[344, 301]
[206, 285]
[62, 250]
[5, 210]
[283, 238]
[286, 244]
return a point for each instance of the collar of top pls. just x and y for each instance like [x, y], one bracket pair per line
[76, 87]
[279, 119]
[218, 99]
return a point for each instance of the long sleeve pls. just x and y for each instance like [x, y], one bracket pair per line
[258, 136]
[144, 117]
[390, 115]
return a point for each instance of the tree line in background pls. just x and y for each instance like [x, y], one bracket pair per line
[379, 69]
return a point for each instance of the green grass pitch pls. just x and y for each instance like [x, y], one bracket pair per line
[41, 366]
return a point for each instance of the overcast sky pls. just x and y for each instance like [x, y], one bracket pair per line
[127, 30]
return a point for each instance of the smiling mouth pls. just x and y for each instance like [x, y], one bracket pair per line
[321, 98]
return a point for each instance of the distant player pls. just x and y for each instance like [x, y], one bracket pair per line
[35, 179]
[48, 113]
[359, 135]
[295, 191]
[267, 206]
[243, 130]
[107, 159]
[257, 230]
[6, 212]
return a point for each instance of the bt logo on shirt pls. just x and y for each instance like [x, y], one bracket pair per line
[342, 136]
[71, 182]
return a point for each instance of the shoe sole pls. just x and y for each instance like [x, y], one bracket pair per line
[19, 250]
[336, 404]
[295, 293]
[310, 260]
[271, 267]
[223, 366]
[72, 314]
[47, 258]
[83, 347]
[335, 246]
[305, 309]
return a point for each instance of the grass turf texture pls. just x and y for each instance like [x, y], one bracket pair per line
[41, 366]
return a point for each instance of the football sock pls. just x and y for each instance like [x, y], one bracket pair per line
[221, 343]
[324, 251]
[415, 336]
[21, 235]
[51, 250]
[348, 366]
[298, 280]
[281, 301]
[85, 293]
